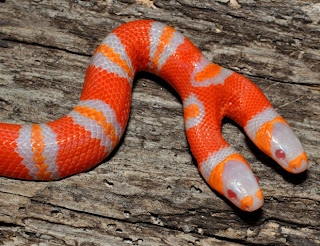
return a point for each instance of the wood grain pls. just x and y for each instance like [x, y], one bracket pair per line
[149, 191]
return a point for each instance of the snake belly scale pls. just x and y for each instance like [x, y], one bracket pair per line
[84, 137]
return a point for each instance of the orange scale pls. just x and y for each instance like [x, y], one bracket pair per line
[210, 71]
[239, 89]
[204, 141]
[117, 96]
[10, 159]
[10, 168]
[23, 174]
[178, 68]
[136, 37]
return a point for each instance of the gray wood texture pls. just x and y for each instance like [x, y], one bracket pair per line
[149, 191]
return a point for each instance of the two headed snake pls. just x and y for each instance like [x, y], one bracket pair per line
[84, 137]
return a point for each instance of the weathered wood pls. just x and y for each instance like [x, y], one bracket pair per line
[149, 191]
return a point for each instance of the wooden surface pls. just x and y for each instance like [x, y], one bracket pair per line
[149, 191]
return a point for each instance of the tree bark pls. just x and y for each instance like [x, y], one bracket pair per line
[149, 191]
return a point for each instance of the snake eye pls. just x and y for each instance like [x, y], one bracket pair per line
[231, 194]
[280, 154]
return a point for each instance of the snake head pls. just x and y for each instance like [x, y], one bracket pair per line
[277, 139]
[240, 186]
[286, 148]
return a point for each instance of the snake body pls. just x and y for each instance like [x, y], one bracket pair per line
[85, 136]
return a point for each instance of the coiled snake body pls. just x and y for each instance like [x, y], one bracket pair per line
[85, 136]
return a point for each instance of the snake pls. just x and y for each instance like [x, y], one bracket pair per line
[88, 134]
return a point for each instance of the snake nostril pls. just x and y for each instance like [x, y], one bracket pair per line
[280, 154]
[231, 194]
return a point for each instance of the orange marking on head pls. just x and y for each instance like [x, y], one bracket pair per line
[167, 34]
[208, 72]
[264, 135]
[37, 148]
[215, 179]
[191, 111]
[297, 162]
[259, 194]
[246, 202]
[101, 120]
[114, 57]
